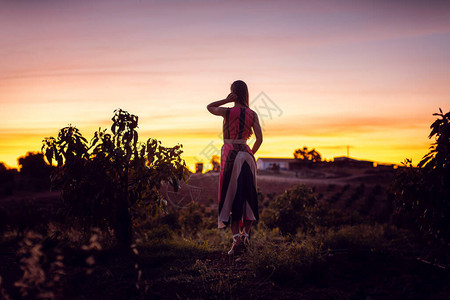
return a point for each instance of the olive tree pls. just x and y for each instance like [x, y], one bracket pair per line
[112, 179]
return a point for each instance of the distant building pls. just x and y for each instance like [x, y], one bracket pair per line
[347, 161]
[270, 163]
[292, 164]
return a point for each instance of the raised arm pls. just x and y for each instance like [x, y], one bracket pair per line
[258, 134]
[215, 108]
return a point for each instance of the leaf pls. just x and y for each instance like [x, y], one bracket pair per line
[83, 139]
[49, 155]
[135, 138]
[424, 161]
[94, 140]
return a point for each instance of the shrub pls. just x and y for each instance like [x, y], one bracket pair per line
[114, 179]
[334, 218]
[170, 218]
[335, 198]
[422, 194]
[191, 218]
[42, 269]
[361, 236]
[295, 208]
[162, 232]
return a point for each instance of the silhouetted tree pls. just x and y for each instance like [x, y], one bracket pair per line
[6, 180]
[114, 178]
[215, 162]
[199, 167]
[305, 155]
[33, 165]
[423, 193]
[34, 172]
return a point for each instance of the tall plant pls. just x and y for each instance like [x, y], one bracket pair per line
[423, 193]
[113, 178]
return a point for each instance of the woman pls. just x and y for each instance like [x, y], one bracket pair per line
[238, 200]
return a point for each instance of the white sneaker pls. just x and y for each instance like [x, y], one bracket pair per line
[236, 243]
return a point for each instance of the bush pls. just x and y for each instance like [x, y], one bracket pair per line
[295, 208]
[335, 198]
[334, 218]
[191, 218]
[357, 237]
[422, 194]
[162, 232]
[114, 180]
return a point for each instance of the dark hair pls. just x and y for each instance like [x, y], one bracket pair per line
[240, 89]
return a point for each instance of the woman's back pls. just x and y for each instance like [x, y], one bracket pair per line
[238, 122]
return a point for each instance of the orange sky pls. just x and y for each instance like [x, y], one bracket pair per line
[361, 74]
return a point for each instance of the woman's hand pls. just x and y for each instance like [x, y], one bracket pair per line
[231, 97]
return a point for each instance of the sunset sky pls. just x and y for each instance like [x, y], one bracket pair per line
[329, 74]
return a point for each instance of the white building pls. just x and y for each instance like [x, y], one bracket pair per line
[267, 163]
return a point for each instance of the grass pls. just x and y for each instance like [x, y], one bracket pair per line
[284, 261]
[346, 255]
[334, 262]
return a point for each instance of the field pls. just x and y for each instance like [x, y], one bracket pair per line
[354, 249]
[345, 189]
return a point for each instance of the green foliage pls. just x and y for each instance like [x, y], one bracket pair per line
[112, 179]
[42, 269]
[295, 208]
[357, 194]
[306, 257]
[328, 217]
[285, 261]
[69, 145]
[191, 218]
[422, 194]
[215, 284]
[159, 233]
[358, 237]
